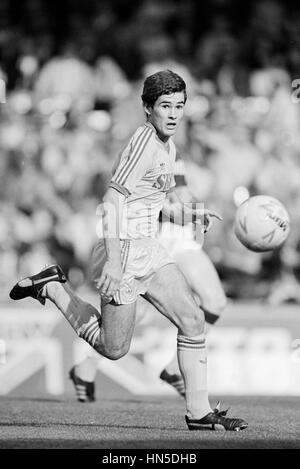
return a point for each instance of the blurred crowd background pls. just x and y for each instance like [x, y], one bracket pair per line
[74, 71]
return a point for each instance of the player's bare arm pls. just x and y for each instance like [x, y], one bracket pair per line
[181, 208]
[110, 279]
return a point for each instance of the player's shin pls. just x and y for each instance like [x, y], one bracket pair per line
[192, 361]
[83, 317]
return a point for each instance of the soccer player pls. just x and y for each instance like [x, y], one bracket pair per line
[201, 275]
[129, 261]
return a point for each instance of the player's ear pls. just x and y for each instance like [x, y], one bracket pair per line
[147, 109]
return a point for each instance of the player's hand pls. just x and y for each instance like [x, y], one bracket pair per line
[205, 218]
[109, 282]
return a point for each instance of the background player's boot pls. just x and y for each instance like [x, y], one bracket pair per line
[33, 286]
[174, 380]
[216, 420]
[85, 390]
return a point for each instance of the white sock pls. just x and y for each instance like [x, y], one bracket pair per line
[83, 317]
[192, 361]
[173, 366]
[87, 369]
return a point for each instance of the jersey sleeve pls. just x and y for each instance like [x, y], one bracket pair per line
[135, 160]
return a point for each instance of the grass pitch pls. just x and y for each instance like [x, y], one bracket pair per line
[142, 422]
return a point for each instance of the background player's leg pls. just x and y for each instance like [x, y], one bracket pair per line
[83, 375]
[205, 283]
[109, 333]
[204, 280]
[87, 368]
[170, 294]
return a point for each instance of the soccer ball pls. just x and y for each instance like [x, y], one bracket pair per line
[262, 223]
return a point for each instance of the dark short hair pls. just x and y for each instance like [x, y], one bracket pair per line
[164, 82]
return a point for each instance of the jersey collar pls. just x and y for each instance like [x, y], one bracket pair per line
[148, 124]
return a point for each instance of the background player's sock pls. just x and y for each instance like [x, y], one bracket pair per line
[83, 317]
[87, 369]
[193, 365]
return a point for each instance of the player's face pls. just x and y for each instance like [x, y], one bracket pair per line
[166, 114]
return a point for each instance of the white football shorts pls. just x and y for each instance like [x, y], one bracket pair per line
[141, 259]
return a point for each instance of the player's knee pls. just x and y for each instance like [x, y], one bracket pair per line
[192, 323]
[115, 353]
